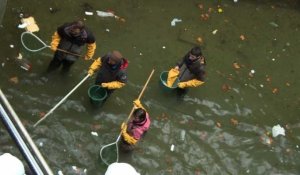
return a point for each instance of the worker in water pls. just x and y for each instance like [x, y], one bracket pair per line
[189, 70]
[136, 127]
[67, 43]
[111, 71]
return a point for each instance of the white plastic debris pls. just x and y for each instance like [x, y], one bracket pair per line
[235, 1]
[104, 14]
[164, 47]
[11, 46]
[22, 26]
[278, 130]
[252, 71]
[94, 133]
[215, 32]
[89, 13]
[107, 30]
[3, 64]
[172, 147]
[174, 21]
[74, 168]
[20, 56]
[60, 172]
[41, 144]
[182, 135]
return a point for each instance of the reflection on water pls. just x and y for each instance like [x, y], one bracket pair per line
[223, 127]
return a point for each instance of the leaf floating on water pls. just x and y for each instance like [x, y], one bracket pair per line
[234, 121]
[225, 87]
[242, 37]
[14, 80]
[236, 65]
[218, 124]
[275, 90]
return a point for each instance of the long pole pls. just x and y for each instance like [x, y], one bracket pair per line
[61, 101]
[115, 143]
[139, 97]
[26, 135]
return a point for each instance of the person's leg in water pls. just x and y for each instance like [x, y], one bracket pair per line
[66, 66]
[181, 92]
[55, 63]
[125, 147]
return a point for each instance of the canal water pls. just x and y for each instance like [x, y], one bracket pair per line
[222, 127]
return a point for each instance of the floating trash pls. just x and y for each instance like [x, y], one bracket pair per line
[174, 21]
[182, 135]
[89, 13]
[172, 147]
[215, 32]
[278, 130]
[94, 133]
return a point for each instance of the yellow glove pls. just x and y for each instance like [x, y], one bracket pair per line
[172, 76]
[137, 103]
[90, 50]
[190, 83]
[55, 41]
[91, 72]
[128, 138]
[123, 126]
[113, 85]
[95, 65]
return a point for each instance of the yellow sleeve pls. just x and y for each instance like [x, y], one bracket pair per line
[113, 85]
[128, 138]
[95, 66]
[172, 76]
[190, 83]
[55, 41]
[90, 50]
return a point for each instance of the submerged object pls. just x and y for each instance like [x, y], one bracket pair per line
[23, 62]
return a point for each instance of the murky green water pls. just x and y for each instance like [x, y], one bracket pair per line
[227, 122]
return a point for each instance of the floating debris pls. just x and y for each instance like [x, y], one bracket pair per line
[274, 24]
[236, 65]
[174, 21]
[278, 130]
[89, 13]
[94, 134]
[234, 121]
[199, 40]
[242, 37]
[182, 135]
[14, 80]
[172, 147]
[215, 31]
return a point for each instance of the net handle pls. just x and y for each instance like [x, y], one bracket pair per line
[43, 43]
[36, 37]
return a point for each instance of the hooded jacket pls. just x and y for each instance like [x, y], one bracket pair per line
[63, 39]
[108, 73]
[189, 70]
